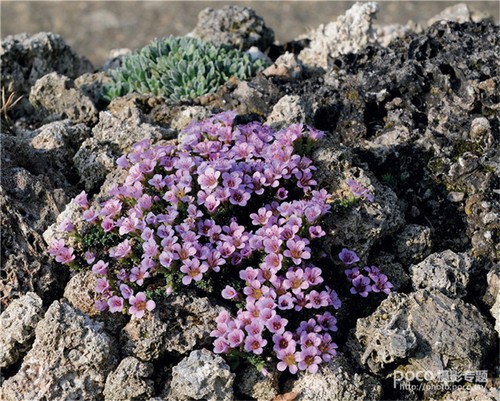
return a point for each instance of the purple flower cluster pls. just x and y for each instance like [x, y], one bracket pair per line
[375, 281]
[233, 200]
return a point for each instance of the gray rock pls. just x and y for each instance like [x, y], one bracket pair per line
[348, 34]
[473, 393]
[413, 244]
[55, 95]
[144, 338]
[233, 25]
[423, 332]
[179, 324]
[80, 293]
[336, 380]
[458, 13]
[362, 225]
[26, 58]
[112, 137]
[201, 376]
[290, 109]
[70, 359]
[91, 85]
[492, 296]
[286, 66]
[254, 385]
[446, 271]
[130, 381]
[18, 324]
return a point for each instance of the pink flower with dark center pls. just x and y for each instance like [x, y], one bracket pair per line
[115, 304]
[327, 348]
[288, 359]
[239, 197]
[276, 324]
[209, 179]
[327, 321]
[138, 275]
[90, 215]
[361, 286]
[297, 251]
[107, 224]
[111, 207]
[348, 257]
[296, 281]
[316, 232]
[308, 359]
[56, 246]
[317, 300]
[261, 217]
[255, 344]
[235, 338]
[193, 270]
[310, 339]
[139, 305]
[89, 257]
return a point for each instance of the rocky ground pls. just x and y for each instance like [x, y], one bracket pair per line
[412, 113]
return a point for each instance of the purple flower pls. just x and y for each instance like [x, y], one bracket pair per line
[193, 270]
[100, 268]
[101, 285]
[352, 273]
[288, 359]
[297, 251]
[316, 232]
[221, 345]
[276, 324]
[89, 257]
[381, 284]
[65, 256]
[361, 286]
[138, 275]
[66, 225]
[81, 200]
[327, 321]
[230, 293]
[235, 338]
[139, 305]
[327, 348]
[208, 180]
[359, 191]
[348, 257]
[255, 344]
[115, 304]
[126, 291]
[121, 250]
[308, 359]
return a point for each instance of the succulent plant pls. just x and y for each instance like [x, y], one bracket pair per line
[180, 68]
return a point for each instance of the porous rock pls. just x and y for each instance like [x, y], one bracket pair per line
[286, 66]
[336, 380]
[473, 393]
[70, 359]
[446, 271]
[255, 385]
[202, 375]
[55, 95]
[129, 381]
[424, 331]
[348, 34]
[413, 243]
[235, 26]
[18, 322]
[112, 137]
[290, 109]
[26, 58]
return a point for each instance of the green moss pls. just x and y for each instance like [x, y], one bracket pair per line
[462, 146]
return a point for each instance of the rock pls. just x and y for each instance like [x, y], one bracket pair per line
[422, 332]
[112, 137]
[178, 325]
[235, 26]
[286, 66]
[144, 338]
[130, 381]
[289, 110]
[70, 359]
[91, 85]
[80, 293]
[348, 34]
[55, 95]
[413, 244]
[18, 324]
[397, 275]
[253, 97]
[189, 114]
[115, 57]
[458, 13]
[474, 393]
[447, 272]
[254, 385]
[388, 33]
[201, 375]
[26, 58]
[336, 380]
[492, 296]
